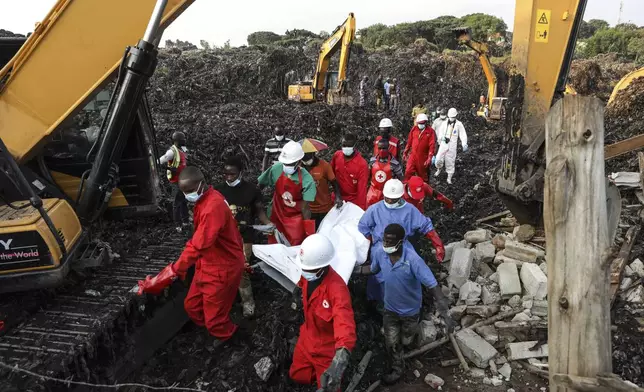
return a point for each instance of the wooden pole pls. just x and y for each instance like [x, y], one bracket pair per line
[575, 219]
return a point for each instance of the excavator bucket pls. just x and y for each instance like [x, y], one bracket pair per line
[462, 34]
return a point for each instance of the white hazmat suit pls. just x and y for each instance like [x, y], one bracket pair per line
[448, 137]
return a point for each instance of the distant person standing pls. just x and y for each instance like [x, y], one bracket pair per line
[418, 109]
[378, 91]
[387, 87]
[273, 148]
[175, 160]
[363, 90]
[394, 94]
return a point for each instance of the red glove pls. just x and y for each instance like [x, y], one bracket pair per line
[438, 245]
[156, 285]
[428, 162]
[448, 203]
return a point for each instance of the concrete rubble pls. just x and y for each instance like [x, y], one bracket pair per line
[434, 381]
[534, 281]
[524, 350]
[264, 367]
[460, 267]
[484, 252]
[509, 280]
[478, 236]
[475, 348]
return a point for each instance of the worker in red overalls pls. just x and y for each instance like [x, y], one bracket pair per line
[420, 148]
[385, 128]
[175, 161]
[416, 190]
[383, 167]
[351, 172]
[294, 190]
[328, 334]
[216, 249]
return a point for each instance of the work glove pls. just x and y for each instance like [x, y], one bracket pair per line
[465, 147]
[434, 160]
[332, 377]
[448, 203]
[442, 306]
[438, 245]
[155, 285]
[338, 202]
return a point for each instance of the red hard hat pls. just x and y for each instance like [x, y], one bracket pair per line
[415, 185]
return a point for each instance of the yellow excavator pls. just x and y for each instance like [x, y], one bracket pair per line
[327, 85]
[625, 82]
[58, 172]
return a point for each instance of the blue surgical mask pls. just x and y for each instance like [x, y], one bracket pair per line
[421, 126]
[348, 151]
[391, 249]
[234, 183]
[289, 169]
[310, 276]
[399, 204]
[192, 197]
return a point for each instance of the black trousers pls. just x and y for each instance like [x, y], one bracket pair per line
[399, 332]
[180, 213]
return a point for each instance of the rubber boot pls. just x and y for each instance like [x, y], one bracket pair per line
[438, 173]
[248, 302]
[449, 177]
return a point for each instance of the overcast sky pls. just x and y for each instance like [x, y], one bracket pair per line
[219, 21]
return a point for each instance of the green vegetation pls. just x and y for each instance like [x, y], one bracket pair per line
[597, 37]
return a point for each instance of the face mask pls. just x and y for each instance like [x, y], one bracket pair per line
[289, 169]
[279, 138]
[192, 197]
[443, 117]
[391, 249]
[234, 183]
[396, 205]
[421, 126]
[310, 276]
[309, 162]
[348, 151]
[383, 154]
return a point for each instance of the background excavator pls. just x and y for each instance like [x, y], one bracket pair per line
[328, 85]
[58, 174]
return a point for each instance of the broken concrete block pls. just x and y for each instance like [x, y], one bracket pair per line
[488, 333]
[509, 281]
[527, 304]
[469, 319]
[460, 267]
[636, 295]
[478, 236]
[522, 350]
[477, 373]
[506, 371]
[470, 291]
[501, 258]
[485, 270]
[522, 252]
[638, 267]
[544, 268]
[515, 301]
[628, 271]
[539, 308]
[481, 280]
[492, 381]
[264, 367]
[490, 295]
[449, 249]
[509, 221]
[475, 348]
[434, 381]
[500, 360]
[494, 277]
[483, 311]
[523, 233]
[416, 373]
[457, 312]
[626, 282]
[485, 252]
[521, 317]
[427, 332]
[534, 281]
[499, 241]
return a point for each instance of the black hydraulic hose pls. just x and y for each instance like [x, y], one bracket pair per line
[8, 203]
[110, 104]
[80, 186]
[34, 199]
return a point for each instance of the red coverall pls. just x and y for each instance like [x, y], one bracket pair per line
[393, 146]
[286, 214]
[429, 191]
[352, 175]
[419, 150]
[380, 173]
[328, 326]
[216, 248]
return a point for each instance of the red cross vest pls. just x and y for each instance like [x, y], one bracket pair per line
[380, 173]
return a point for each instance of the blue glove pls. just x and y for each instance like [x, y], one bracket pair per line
[465, 148]
[434, 160]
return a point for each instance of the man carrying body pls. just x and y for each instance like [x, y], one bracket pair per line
[385, 128]
[175, 160]
[394, 209]
[383, 167]
[273, 148]
[420, 148]
[416, 190]
[351, 172]
[245, 202]
[328, 334]
[294, 190]
[450, 132]
[323, 176]
[403, 273]
[216, 250]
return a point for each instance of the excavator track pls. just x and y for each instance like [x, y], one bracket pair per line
[98, 324]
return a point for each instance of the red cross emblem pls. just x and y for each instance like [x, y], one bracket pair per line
[381, 176]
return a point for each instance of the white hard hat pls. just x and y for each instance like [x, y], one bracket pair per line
[291, 153]
[393, 189]
[421, 117]
[452, 113]
[316, 252]
[385, 123]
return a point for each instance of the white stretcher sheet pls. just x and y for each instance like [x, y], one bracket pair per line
[340, 226]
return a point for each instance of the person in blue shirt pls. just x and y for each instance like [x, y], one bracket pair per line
[394, 209]
[403, 273]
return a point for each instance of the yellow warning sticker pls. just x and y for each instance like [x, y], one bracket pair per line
[542, 27]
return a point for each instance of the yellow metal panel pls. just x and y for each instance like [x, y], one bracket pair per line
[72, 52]
[24, 216]
[625, 82]
[542, 26]
[69, 185]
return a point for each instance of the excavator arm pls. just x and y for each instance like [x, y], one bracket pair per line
[464, 37]
[624, 83]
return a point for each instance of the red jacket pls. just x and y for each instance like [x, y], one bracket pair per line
[394, 143]
[329, 323]
[352, 175]
[216, 243]
[429, 191]
[421, 145]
